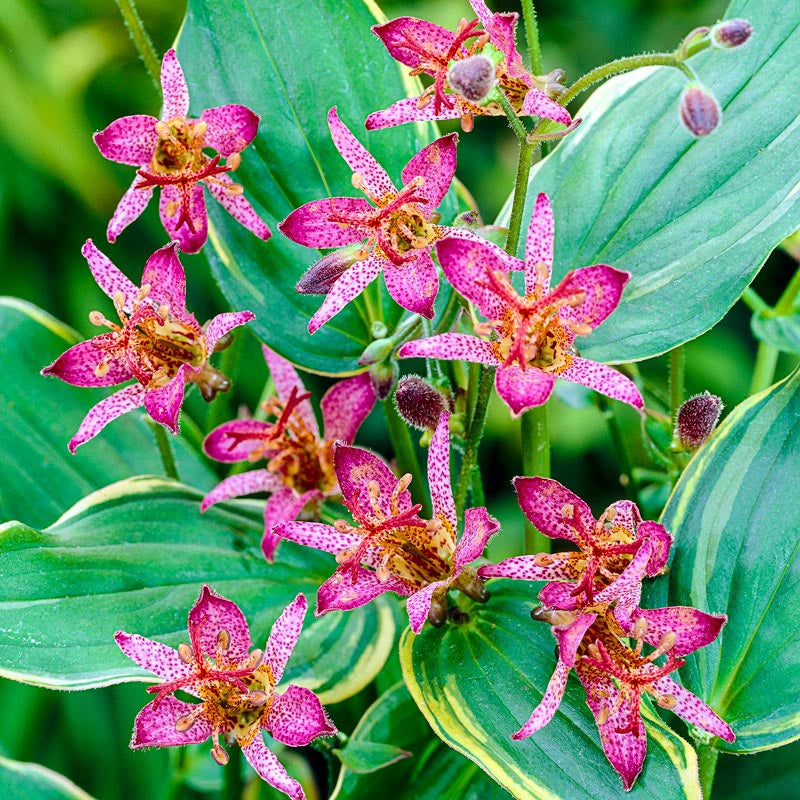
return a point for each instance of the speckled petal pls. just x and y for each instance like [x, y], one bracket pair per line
[693, 628]
[603, 379]
[173, 86]
[538, 104]
[155, 727]
[212, 614]
[419, 603]
[523, 389]
[283, 506]
[352, 282]
[413, 284]
[164, 404]
[230, 128]
[433, 40]
[256, 480]
[310, 225]
[450, 347]
[406, 110]
[297, 718]
[603, 286]
[129, 208]
[345, 406]
[190, 241]
[558, 594]
[553, 509]
[78, 364]
[266, 764]
[129, 140]
[153, 656]
[377, 183]
[126, 399]
[439, 473]
[235, 440]
[436, 164]
[539, 247]
[286, 379]
[502, 30]
[108, 277]
[238, 206]
[166, 278]
[569, 637]
[627, 586]
[317, 535]
[549, 704]
[625, 515]
[541, 567]
[223, 323]
[479, 527]
[694, 710]
[661, 542]
[340, 593]
[284, 635]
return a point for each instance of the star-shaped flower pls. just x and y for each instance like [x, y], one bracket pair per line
[157, 342]
[169, 153]
[299, 467]
[235, 686]
[533, 335]
[398, 227]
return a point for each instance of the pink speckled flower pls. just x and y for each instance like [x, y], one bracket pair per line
[466, 66]
[169, 154]
[299, 467]
[534, 333]
[399, 228]
[157, 342]
[236, 687]
[391, 549]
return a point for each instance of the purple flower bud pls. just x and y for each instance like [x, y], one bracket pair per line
[322, 274]
[418, 403]
[730, 33]
[697, 418]
[473, 78]
[383, 375]
[700, 111]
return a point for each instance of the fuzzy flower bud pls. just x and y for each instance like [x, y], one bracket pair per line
[699, 110]
[697, 418]
[730, 33]
[322, 274]
[418, 403]
[473, 78]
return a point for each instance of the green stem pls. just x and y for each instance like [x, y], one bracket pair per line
[753, 301]
[707, 766]
[513, 119]
[141, 40]
[406, 455]
[532, 32]
[677, 369]
[232, 785]
[476, 488]
[535, 436]
[526, 151]
[165, 450]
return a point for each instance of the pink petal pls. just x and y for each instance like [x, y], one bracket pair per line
[352, 282]
[310, 225]
[238, 206]
[129, 208]
[190, 241]
[283, 506]
[450, 347]
[317, 535]
[164, 273]
[78, 364]
[502, 30]
[129, 140]
[297, 718]
[628, 585]
[436, 163]
[538, 104]
[223, 323]
[542, 567]
[549, 704]
[693, 709]
[439, 473]
[406, 110]
[164, 404]
[569, 637]
[284, 635]
[693, 628]
[153, 656]
[266, 764]
[539, 247]
[173, 85]
[479, 527]
[559, 595]
[230, 128]
[414, 284]
[419, 604]
[603, 379]
[661, 542]
[235, 440]
[155, 726]
[377, 184]
[603, 286]
[523, 389]
[433, 39]
[345, 406]
[626, 515]
[340, 593]
[256, 480]
[553, 509]
[212, 614]
[286, 379]
[119, 403]
[108, 277]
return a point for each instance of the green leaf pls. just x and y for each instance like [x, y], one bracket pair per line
[258, 53]
[41, 478]
[735, 518]
[366, 757]
[503, 662]
[133, 557]
[433, 772]
[763, 776]
[692, 219]
[23, 781]
[781, 331]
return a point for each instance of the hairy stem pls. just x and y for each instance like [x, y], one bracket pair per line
[526, 151]
[141, 40]
[707, 766]
[532, 32]
[165, 450]
[406, 455]
[535, 436]
[513, 118]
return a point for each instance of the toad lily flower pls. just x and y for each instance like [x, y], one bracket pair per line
[236, 687]
[169, 154]
[399, 228]
[535, 334]
[299, 467]
[390, 548]
[467, 68]
[156, 341]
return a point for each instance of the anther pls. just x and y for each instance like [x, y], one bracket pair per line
[162, 129]
[374, 489]
[96, 318]
[234, 190]
[383, 572]
[257, 698]
[403, 483]
[254, 659]
[603, 715]
[171, 208]
[568, 510]
[358, 181]
[143, 292]
[640, 628]
[667, 700]
[185, 653]
[233, 161]
[341, 526]
[579, 328]
[163, 311]
[183, 724]
[119, 300]
[542, 560]
[467, 122]
[102, 369]
[433, 525]
[220, 755]
[200, 128]
[594, 652]
[223, 639]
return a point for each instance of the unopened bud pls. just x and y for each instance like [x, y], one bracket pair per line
[472, 586]
[468, 219]
[210, 381]
[418, 403]
[553, 83]
[473, 78]
[699, 110]
[383, 376]
[730, 33]
[438, 611]
[697, 418]
[321, 275]
[224, 342]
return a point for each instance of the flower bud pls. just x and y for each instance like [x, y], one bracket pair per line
[697, 418]
[468, 219]
[322, 274]
[418, 403]
[383, 375]
[210, 381]
[730, 33]
[700, 112]
[473, 78]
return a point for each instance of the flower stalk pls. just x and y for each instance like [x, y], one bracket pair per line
[143, 43]
[403, 448]
[535, 437]
[165, 450]
[707, 765]
[532, 32]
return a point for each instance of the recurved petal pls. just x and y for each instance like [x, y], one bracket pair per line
[266, 764]
[439, 473]
[660, 540]
[129, 140]
[211, 615]
[436, 165]
[406, 110]
[108, 277]
[479, 527]
[541, 567]
[317, 535]
[450, 347]
[602, 286]
[502, 30]
[603, 379]
[341, 593]
[283, 506]
[419, 604]
[153, 656]
[345, 406]
[428, 39]
[559, 595]
[230, 128]
[164, 404]
[255, 480]
[569, 637]
[538, 104]
[284, 635]
[692, 628]
[414, 284]
[223, 323]
[627, 587]
[693, 709]
[297, 717]
[238, 206]
[164, 274]
[377, 183]
[78, 366]
[173, 85]
[549, 704]
[126, 399]
[190, 241]
[523, 389]
[235, 440]
[129, 208]
[314, 224]
[624, 514]
[287, 380]
[155, 726]
[553, 509]
[539, 247]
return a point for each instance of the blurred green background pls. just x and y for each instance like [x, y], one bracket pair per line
[66, 70]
